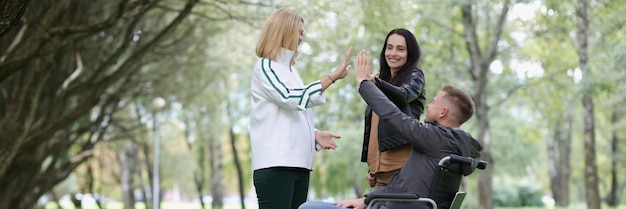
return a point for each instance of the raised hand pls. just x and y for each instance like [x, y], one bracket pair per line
[343, 68]
[363, 70]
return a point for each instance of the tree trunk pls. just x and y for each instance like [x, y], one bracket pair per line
[558, 149]
[144, 188]
[242, 194]
[478, 70]
[216, 179]
[200, 173]
[233, 145]
[129, 163]
[78, 204]
[147, 194]
[90, 185]
[612, 199]
[55, 199]
[591, 169]
[485, 183]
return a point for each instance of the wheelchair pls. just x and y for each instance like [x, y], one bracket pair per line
[445, 194]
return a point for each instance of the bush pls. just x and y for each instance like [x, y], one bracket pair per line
[525, 195]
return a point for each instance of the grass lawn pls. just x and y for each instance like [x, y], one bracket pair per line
[164, 205]
[573, 206]
[190, 205]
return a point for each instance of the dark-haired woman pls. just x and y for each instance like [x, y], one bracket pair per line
[384, 150]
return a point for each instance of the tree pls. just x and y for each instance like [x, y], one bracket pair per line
[559, 149]
[607, 59]
[591, 169]
[478, 69]
[128, 160]
[548, 33]
[68, 74]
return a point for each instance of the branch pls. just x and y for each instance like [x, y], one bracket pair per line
[114, 57]
[493, 51]
[471, 40]
[10, 13]
[79, 69]
[508, 94]
[18, 39]
[100, 86]
[15, 65]
[81, 157]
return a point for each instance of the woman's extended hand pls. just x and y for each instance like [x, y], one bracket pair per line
[326, 139]
[343, 68]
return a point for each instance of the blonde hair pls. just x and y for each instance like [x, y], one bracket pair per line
[281, 29]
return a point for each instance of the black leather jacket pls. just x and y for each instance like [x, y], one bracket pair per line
[409, 97]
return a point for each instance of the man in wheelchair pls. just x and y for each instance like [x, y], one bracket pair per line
[435, 139]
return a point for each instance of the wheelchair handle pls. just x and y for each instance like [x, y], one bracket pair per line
[482, 165]
[464, 161]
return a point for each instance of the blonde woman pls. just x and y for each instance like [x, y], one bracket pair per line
[282, 132]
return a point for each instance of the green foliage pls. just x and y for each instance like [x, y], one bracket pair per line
[520, 133]
[339, 172]
[516, 193]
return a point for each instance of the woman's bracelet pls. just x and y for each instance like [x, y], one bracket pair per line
[331, 79]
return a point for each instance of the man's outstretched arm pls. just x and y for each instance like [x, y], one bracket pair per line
[373, 96]
[385, 109]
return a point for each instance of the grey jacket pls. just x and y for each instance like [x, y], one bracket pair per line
[430, 141]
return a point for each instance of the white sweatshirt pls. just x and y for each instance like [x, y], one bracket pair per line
[282, 132]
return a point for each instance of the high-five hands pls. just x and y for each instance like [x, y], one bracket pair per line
[363, 70]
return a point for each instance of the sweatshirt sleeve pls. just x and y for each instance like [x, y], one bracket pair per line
[276, 88]
[417, 133]
[407, 92]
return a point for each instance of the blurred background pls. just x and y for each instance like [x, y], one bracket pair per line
[137, 103]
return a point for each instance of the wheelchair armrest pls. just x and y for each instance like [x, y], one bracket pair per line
[467, 164]
[371, 198]
[398, 196]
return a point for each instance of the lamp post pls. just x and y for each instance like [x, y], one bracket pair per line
[157, 104]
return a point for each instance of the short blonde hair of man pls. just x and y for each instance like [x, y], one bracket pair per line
[281, 29]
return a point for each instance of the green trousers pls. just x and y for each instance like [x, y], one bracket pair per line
[281, 187]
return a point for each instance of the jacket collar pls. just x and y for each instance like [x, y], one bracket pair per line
[285, 56]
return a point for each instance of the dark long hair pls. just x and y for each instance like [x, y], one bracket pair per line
[413, 56]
